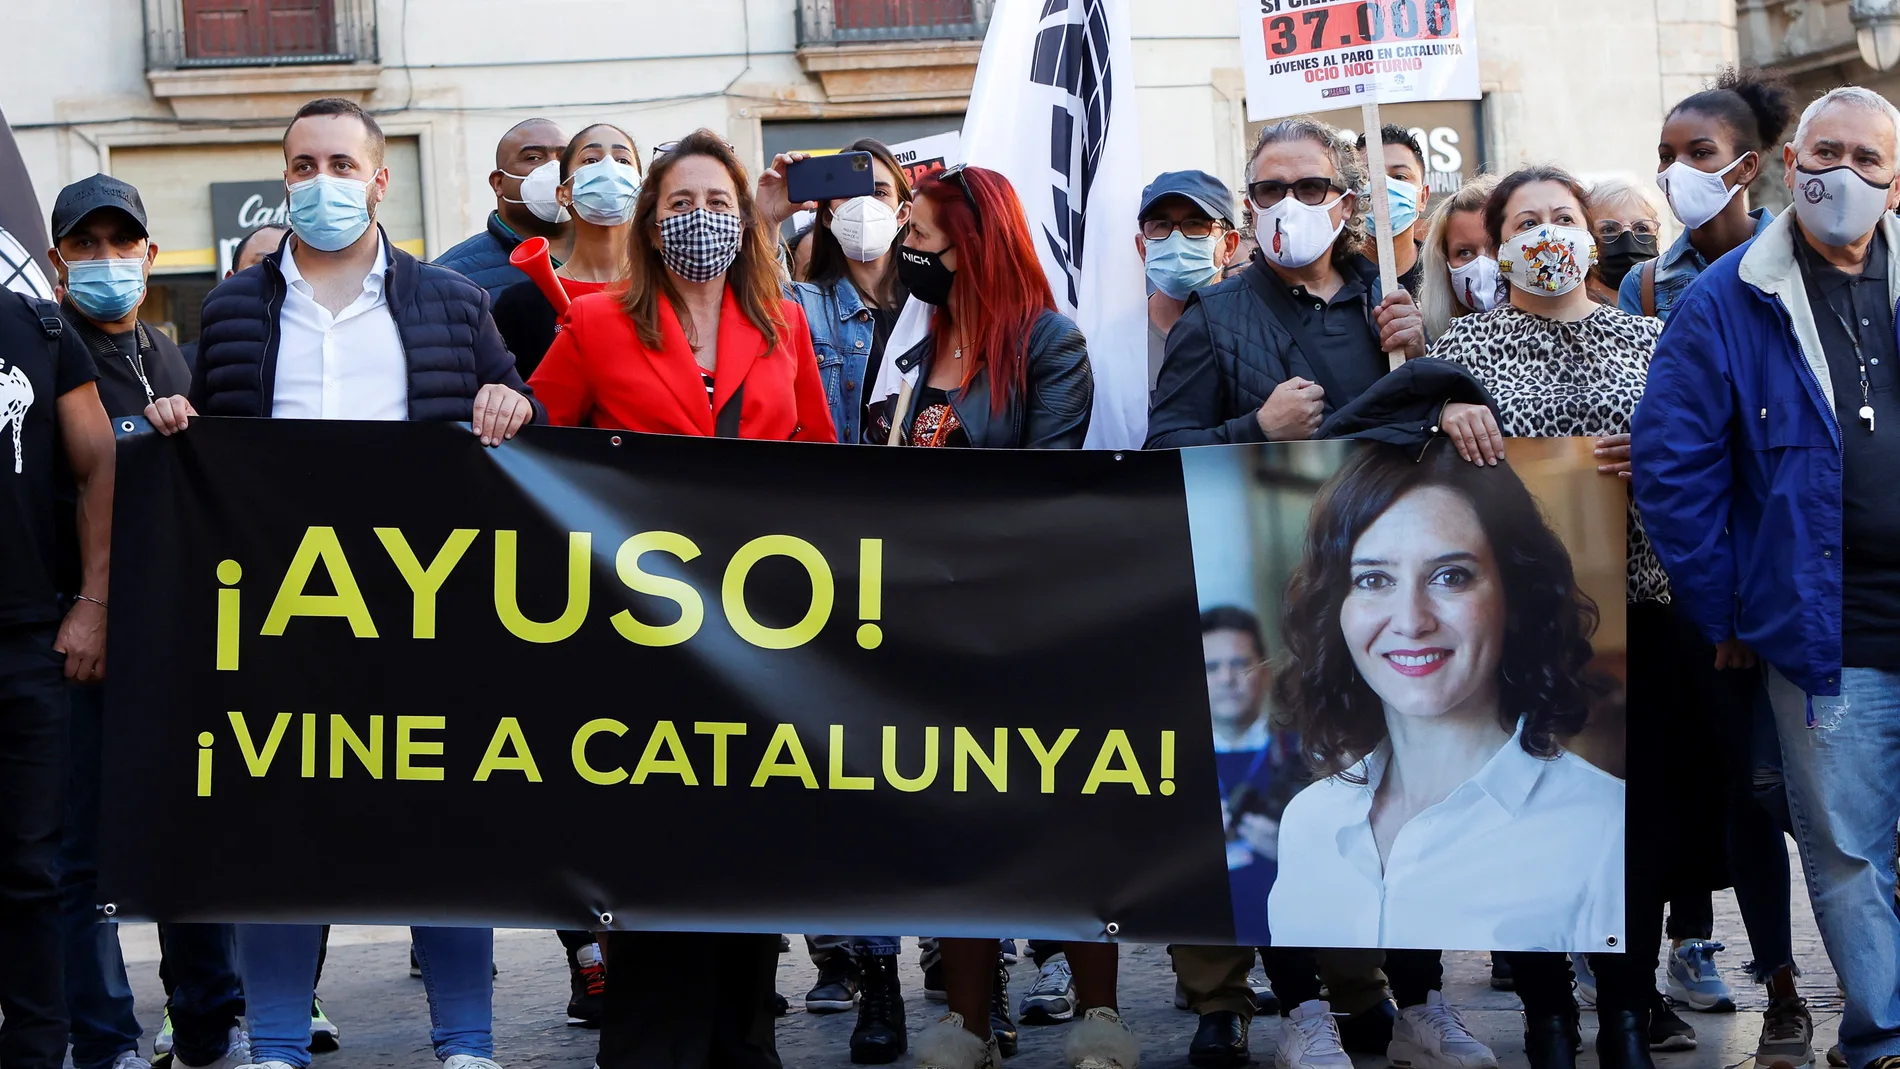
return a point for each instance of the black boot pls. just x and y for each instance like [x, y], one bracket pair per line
[1370, 1030]
[1623, 1039]
[879, 1037]
[1001, 1026]
[1551, 1040]
[1220, 1042]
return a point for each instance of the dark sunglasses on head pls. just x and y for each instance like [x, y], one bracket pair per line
[955, 174]
[1269, 192]
[665, 147]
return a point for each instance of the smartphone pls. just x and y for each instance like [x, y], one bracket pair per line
[836, 177]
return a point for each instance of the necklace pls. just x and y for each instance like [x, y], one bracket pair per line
[958, 355]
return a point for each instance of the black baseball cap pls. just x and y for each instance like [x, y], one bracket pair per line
[88, 195]
[1202, 188]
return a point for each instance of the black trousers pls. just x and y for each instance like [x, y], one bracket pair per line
[1660, 688]
[689, 1000]
[33, 775]
[1294, 974]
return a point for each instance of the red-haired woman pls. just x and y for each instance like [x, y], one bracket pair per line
[700, 342]
[1000, 369]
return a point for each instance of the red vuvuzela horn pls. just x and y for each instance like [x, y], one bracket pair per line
[532, 257]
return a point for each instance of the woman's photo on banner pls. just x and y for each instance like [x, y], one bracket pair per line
[1423, 731]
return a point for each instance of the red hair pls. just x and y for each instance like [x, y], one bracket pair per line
[999, 283]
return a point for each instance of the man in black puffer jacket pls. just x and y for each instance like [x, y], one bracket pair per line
[339, 323]
[1304, 330]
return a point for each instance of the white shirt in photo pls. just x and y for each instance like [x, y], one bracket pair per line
[1525, 855]
[346, 366]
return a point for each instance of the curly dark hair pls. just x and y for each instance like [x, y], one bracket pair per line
[1543, 675]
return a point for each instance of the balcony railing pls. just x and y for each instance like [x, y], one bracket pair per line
[832, 22]
[253, 33]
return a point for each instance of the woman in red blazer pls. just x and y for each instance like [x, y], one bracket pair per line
[700, 342]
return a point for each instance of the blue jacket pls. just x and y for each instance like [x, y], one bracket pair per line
[484, 257]
[1676, 270]
[448, 338]
[841, 333]
[1737, 459]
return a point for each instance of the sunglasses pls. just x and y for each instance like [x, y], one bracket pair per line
[1159, 229]
[665, 147]
[1311, 191]
[955, 174]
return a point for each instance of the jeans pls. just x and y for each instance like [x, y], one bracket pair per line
[1843, 779]
[33, 712]
[864, 946]
[198, 965]
[98, 998]
[280, 964]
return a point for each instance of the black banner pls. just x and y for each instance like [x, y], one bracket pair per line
[593, 679]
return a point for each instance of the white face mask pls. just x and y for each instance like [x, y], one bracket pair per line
[1837, 206]
[864, 227]
[1293, 234]
[1477, 285]
[537, 192]
[1697, 196]
[1549, 260]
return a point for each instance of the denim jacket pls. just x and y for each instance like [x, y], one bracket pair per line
[1676, 269]
[841, 332]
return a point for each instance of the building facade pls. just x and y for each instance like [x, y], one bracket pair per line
[187, 99]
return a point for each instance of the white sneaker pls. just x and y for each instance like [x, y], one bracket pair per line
[468, 1061]
[130, 1060]
[1309, 1039]
[237, 1055]
[1434, 1036]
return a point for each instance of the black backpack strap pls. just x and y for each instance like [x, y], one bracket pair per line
[50, 324]
[1280, 306]
[726, 423]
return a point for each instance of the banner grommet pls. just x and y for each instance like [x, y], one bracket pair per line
[606, 920]
[1112, 928]
[110, 909]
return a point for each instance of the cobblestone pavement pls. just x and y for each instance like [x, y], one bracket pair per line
[385, 1019]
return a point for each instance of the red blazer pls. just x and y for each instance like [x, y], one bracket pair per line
[597, 374]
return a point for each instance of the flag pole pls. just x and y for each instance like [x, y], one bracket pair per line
[1381, 207]
[897, 414]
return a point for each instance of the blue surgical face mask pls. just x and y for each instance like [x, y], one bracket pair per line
[1178, 265]
[329, 213]
[105, 289]
[1402, 197]
[604, 192]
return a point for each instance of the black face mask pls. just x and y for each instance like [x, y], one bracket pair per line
[924, 275]
[1617, 257]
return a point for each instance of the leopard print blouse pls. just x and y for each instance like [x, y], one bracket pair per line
[1554, 379]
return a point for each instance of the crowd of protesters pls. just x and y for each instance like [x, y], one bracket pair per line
[1764, 612]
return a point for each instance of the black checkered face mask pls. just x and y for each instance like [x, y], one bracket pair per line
[701, 244]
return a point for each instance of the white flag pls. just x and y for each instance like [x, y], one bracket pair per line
[1054, 111]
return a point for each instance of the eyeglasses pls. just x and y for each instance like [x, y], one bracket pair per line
[1269, 192]
[665, 147]
[1159, 229]
[955, 174]
[1610, 229]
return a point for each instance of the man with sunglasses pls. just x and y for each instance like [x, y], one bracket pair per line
[1186, 236]
[1269, 354]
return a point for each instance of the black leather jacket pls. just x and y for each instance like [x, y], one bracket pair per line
[1052, 414]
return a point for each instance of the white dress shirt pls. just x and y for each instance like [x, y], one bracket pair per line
[1525, 855]
[346, 366]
